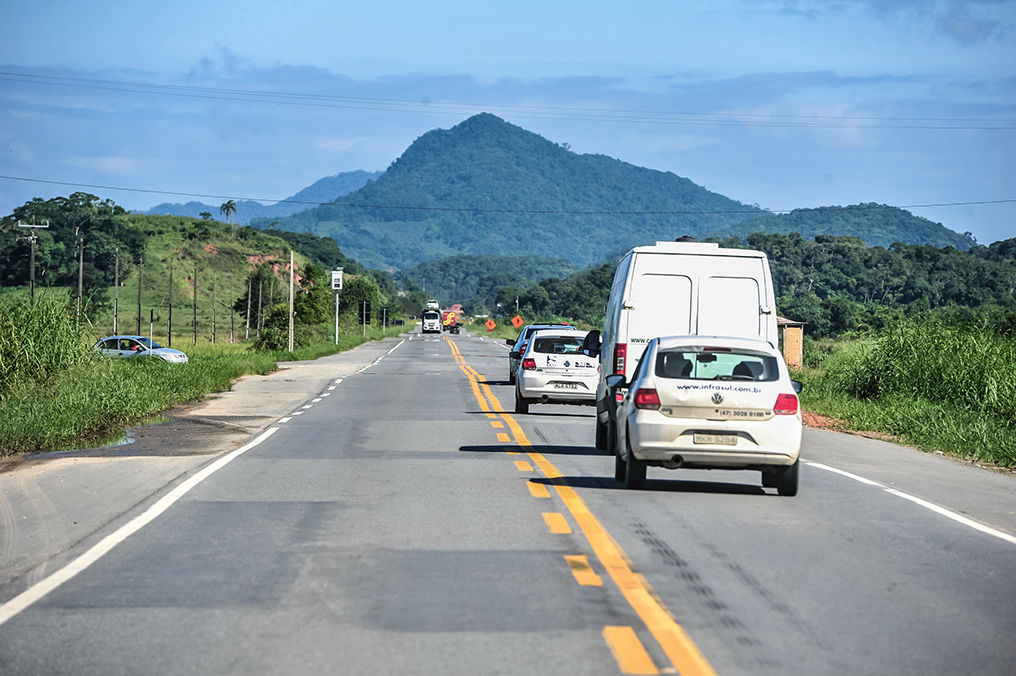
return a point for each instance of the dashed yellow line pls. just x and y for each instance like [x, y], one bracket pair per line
[629, 652]
[583, 572]
[523, 466]
[503, 436]
[556, 523]
[675, 642]
[537, 490]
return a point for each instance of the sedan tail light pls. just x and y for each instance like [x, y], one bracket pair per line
[528, 364]
[646, 397]
[786, 404]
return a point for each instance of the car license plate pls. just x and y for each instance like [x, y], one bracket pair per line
[716, 439]
[566, 386]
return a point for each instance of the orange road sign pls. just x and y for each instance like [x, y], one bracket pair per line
[518, 321]
[490, 325]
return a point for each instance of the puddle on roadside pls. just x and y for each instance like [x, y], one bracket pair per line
[113, 439]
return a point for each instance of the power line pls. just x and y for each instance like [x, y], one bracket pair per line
[526, 111]
[477, 210]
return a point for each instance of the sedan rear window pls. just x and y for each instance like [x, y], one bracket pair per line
[557, 345]
[707, 364]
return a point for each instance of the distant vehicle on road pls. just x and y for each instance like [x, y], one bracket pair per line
[519, 345]
[124, 347]
[432, 321]
[433, 305]
[553, 370]
[453, 328]
[701, 402]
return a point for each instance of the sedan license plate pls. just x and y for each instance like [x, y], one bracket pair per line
[715, 439]
[566, 386]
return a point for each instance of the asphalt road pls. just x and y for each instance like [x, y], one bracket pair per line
[382, 513]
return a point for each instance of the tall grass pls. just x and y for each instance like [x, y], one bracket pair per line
[57, 392]
[38, 341]
[938, 386]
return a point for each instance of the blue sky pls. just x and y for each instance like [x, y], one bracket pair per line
[780, 103]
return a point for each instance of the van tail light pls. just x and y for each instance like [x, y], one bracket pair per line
[786, 404]
[646, 397]
[620, 352]
[528, 364]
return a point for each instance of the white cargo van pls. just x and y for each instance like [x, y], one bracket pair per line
[676, 289]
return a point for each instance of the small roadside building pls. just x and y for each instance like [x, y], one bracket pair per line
[792, 339]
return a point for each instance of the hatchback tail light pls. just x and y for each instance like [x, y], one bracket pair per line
[620, 352]
[528, 364]
[786, 404]
[646, 397]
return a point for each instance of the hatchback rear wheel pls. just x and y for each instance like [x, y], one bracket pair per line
[521, 403]
[634, 471]
[787, 482]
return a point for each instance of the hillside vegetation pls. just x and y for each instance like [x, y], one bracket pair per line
[489, 187]
[874, 224]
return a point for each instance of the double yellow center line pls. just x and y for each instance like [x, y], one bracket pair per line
[675, 642]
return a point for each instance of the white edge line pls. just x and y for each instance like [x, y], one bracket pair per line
[315, 400]
[286, 419]
[306, 406]
[855, 477]
[326, 394]
[959, 518]
[40, 589]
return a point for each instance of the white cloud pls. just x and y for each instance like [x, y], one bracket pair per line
[108, 165]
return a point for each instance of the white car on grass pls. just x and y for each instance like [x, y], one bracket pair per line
[701, 402]
[124, 347]
[553, 369]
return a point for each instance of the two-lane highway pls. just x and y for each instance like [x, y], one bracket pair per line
[401, 521]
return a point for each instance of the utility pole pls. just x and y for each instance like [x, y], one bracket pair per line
[246, 334]
[260, 313]
[169, 328]
[232, 309]
[32, 238]
[141, 268]
[214, 279]
[81, 271]
[116, 291]
[195, 303]
[292, 276]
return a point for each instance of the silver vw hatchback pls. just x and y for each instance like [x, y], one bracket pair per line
[701, 402]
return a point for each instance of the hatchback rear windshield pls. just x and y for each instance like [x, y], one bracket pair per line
[557, 345]
[706, 364]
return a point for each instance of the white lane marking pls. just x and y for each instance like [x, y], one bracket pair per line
[855, 477]
[286, 419]
[296, 413]
[325, 394]
[331, 387]
[306, 406]
[316, 400]
[338, 380]
[949, 514]
[40, 589]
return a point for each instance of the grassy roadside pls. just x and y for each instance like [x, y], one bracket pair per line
[58, 393]
[937, 388]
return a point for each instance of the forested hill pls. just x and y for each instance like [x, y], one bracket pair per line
[322, 190]
[489, 187]
[874, 224]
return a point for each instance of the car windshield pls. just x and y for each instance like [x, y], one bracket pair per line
[557, 345]
[431, 315]
[149, 343]
[716, 364]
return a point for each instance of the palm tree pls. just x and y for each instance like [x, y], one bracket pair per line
[228, 207]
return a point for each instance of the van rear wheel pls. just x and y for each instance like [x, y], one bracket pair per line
[601, 435]
[619, 468]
